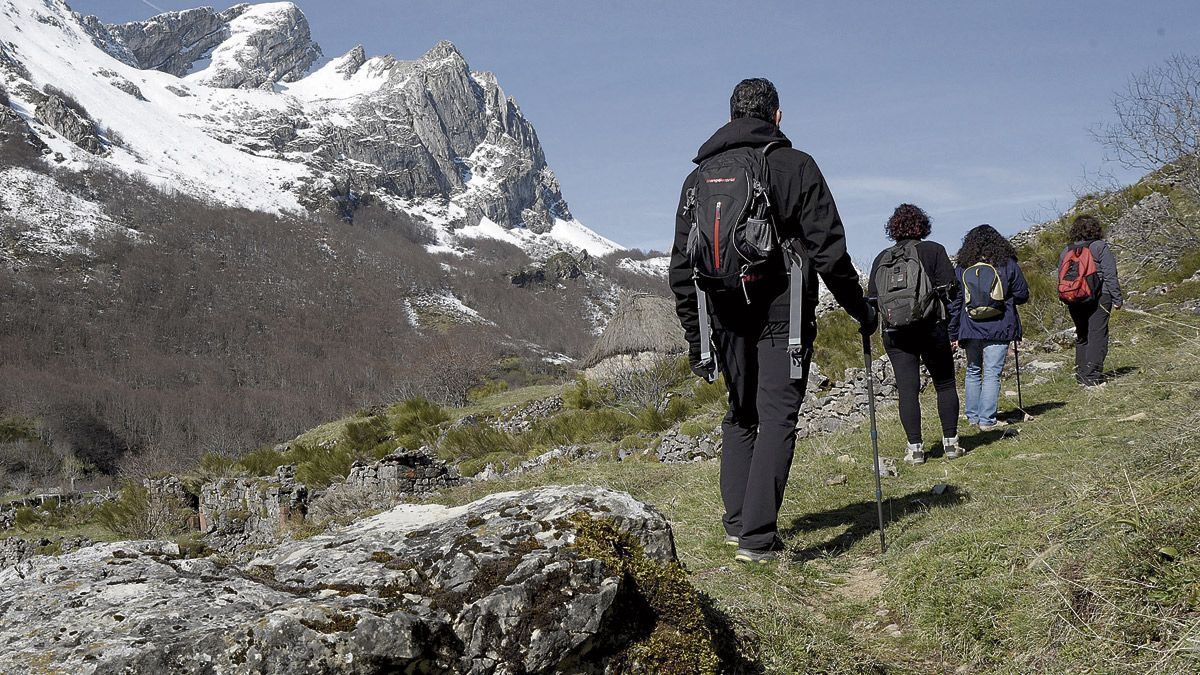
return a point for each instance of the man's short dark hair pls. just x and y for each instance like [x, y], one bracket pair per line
[756, 98]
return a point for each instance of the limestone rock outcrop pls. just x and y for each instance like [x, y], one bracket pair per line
[492, 587]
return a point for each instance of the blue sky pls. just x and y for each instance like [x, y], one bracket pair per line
[976, 111]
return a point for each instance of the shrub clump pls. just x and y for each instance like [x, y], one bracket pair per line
[133, 515]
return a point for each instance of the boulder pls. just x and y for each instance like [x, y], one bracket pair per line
[60, 115]
[513, 583]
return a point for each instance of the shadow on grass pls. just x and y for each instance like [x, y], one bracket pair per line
[733, 639]
[979, 439]
[863, 521]
[1034, 409]
[1116, 373]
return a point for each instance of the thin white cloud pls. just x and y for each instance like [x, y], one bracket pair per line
[909, 189]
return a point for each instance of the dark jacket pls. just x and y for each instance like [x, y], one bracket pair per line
[1110, 286]
[1007, 328]
[802, 209]
[936, 264]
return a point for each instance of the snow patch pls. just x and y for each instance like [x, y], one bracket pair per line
[651, 267]
[573, 233]
[52, 219]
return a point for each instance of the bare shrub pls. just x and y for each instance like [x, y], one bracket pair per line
[1158, 122]
[647, 384]
[1157, 129]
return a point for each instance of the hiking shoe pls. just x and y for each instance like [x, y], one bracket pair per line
[731, 540]
[914, 454]
[951, 448]
[998, 424]
[757, 557]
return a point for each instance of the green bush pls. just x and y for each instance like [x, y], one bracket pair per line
[583, 426]
[318, 467]
[367, 433]
[132, 515]
[709, 394]
[583, 394]
[472, 447]
[486, 390]
[26, 518]
[839, 345]
[416, 421]
[651, 418]
[263, 461]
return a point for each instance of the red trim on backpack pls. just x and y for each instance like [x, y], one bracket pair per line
[717, 239]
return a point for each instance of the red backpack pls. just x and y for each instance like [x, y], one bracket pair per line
[1078, 276]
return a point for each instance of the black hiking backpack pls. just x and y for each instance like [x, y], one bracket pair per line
[731, 232]
[732, 239]
[905, 293]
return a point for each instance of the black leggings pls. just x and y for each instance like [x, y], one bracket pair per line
[907, 349]
[1091, 339]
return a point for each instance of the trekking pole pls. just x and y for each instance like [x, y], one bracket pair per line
[874, 437]
[1020, 401]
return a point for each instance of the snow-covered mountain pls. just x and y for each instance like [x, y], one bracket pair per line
[225, 106]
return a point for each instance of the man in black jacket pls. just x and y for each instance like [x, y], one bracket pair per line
[751, 337]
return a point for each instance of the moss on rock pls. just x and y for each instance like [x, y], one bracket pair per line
[680, 640]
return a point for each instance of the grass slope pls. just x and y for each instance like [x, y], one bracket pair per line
[1073, 547]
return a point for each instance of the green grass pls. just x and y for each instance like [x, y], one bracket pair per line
[1073, 547]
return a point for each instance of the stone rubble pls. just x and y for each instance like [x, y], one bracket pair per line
[520, 419]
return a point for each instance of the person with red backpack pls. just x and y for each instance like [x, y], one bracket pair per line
[984, 318]
[1088, 285]
[756, 224]
[910, 283]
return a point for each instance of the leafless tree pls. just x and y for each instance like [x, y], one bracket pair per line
[1157, 130]
[1158, 122]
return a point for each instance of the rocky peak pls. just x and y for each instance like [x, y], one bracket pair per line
[251, 45]
[351, 61]
[444, 54]
[169, 42]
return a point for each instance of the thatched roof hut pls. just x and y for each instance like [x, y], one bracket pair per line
[642, 323]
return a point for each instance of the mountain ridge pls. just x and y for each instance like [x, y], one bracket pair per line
[256, 127]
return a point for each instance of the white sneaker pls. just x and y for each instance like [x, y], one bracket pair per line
[951, 448]
[914, 453]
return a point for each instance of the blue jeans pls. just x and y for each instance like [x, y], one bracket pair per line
[985, 360]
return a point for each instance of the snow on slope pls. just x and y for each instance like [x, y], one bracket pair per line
[566, 233]
[253, 25]
[161, 141]
[651, 267]
[209, 142]
[57, 220]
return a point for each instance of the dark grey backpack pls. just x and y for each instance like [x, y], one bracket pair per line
[905, 293]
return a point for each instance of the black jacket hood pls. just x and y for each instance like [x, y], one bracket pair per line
[742, 132]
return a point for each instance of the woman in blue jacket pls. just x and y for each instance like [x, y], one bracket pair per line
[985, 340]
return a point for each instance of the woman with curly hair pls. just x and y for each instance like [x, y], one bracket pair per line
[925, 339]
[1091, 315]
[985, 336]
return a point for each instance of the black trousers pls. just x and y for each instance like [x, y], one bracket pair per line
[1091, 339]
[907, 348]
[759, 431]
